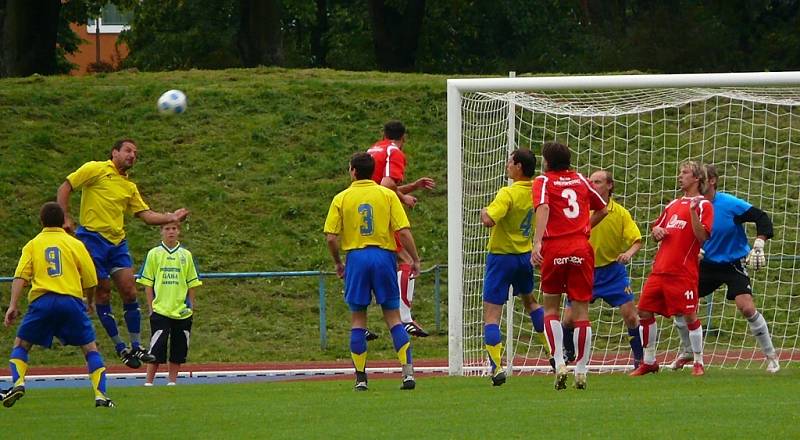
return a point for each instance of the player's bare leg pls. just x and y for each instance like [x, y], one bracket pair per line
[555, 336]
[172, 372]
[648, 331]
[152, 369]
[582, 342]
[759, 330]
[493, 341]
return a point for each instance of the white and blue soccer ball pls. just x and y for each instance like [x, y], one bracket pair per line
[172, 102]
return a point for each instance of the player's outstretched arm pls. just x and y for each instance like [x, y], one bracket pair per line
[422, 182]
[160, 218]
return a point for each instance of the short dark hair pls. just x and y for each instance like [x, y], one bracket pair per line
[394, 130]
[525, 157]
[364, 165]
[118, 144]
[557, 156]
[51, 215]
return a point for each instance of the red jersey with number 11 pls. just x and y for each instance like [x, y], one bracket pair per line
[570, 198]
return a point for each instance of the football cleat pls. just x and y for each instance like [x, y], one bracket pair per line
[413, 329]
[361, 381]
[128, 358]
[773, 366]
[408, 383]
[106, 403]
[369, 335]
[644, 369]
[499, 378]
[12, 395]
[698, 369]
[580, 381]
[561, 378]
[681, 361]
[143, 355]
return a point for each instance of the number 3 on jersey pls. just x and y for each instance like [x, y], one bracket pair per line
[366, 218]
[572, 210]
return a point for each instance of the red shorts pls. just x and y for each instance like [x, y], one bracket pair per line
[669, 295]
[568, 266]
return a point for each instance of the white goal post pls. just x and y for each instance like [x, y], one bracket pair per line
[639, 127]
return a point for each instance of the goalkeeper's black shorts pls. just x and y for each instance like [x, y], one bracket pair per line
[733, 275]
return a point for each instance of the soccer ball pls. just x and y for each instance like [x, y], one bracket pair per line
[172, 102]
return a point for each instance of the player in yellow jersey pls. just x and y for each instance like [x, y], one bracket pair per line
[615, 241]
[510, 215]
[107, 195]
[362, 220]
[61, 274]
[169, 269]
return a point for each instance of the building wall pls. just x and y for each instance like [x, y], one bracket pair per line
[110, 52]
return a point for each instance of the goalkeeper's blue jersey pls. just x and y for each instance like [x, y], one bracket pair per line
[728, 241]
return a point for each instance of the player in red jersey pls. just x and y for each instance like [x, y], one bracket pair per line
[671, 288]
[390, 167]
[563, 200]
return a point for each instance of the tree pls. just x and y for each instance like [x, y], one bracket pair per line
[29, 35]
[260, 36]
[396, 33]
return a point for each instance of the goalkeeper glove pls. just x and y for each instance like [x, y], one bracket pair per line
[756, 258]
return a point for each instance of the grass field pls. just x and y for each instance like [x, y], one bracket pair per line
[723, 404]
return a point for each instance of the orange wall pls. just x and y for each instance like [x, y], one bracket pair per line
[109, 51]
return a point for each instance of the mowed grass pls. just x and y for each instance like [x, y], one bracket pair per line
[723, 404]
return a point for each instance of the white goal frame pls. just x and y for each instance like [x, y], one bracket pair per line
[457, 87]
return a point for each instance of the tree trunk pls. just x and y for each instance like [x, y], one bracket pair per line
[29, 37]
[395, 34]
[260, 41]
[319, 47]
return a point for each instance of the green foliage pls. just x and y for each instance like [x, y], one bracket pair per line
[722, 404]
[181, 34]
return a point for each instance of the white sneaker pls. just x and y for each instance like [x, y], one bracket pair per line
[148, 384]
[773, 366]
[170, 384]
[682, 360]
[580, 381]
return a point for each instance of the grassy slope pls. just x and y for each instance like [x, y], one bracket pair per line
[256, 158]
[723, 404]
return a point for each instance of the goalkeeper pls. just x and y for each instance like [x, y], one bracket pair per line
[722, 264]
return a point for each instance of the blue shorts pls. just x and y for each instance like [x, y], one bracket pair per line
[504, 271]
[106, 256]
[611, 284]
[369, 271]
[53, 314]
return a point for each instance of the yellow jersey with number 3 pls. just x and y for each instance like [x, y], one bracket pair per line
[366, 214]
[56, 262]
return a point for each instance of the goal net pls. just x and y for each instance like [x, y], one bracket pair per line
[640, 128]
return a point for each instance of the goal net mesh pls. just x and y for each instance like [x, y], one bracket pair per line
[751, 135]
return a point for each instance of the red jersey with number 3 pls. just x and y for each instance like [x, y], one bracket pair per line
[678, 250]
[570, 198]
[389, 161]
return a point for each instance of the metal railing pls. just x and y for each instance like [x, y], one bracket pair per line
[323, 324]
